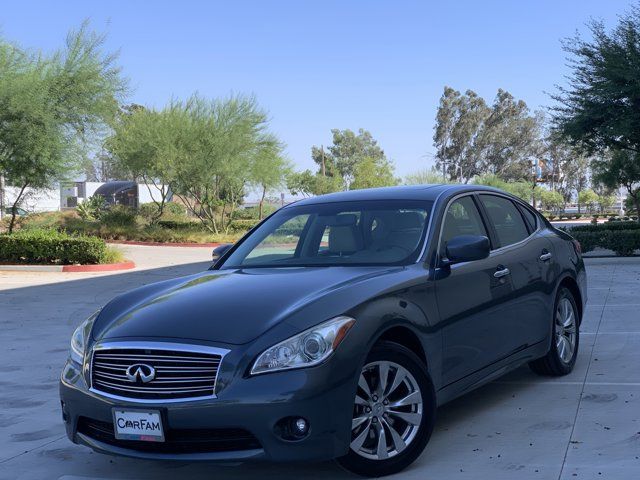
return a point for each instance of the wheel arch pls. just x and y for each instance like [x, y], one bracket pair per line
[406, 337]
[572, 285]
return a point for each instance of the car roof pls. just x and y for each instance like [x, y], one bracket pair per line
[407, 192]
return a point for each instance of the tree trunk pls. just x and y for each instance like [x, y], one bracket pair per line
[1, 196]
[14, 208]
[264, 193]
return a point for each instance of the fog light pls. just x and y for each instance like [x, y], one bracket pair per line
[292, 428]
[301, 426]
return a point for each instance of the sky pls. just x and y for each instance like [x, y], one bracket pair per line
[318, 65]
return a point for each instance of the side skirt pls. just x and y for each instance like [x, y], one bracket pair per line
[492, 372]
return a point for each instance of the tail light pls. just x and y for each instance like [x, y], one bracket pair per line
[577, 246]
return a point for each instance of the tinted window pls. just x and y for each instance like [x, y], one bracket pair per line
[530, 217]
[346, 233]
[462, 218]
[506, 219]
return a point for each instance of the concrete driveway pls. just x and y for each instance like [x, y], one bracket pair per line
[585, 425]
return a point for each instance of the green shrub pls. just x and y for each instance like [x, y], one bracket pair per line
[612, 225]
[242, 225]
[91, 208]
[51, 247]
[172, 211]
[177, 224]
[119, 216]
[253, 212]
[622, 242]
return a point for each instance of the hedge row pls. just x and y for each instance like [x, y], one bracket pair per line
[51, 247]
[606, 226]
[622, 242]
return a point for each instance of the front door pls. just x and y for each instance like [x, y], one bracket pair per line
[473, 299]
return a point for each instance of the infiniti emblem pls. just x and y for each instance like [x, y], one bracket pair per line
[141, 373]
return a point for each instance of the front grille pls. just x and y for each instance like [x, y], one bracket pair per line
[178, 374]
[176, 440]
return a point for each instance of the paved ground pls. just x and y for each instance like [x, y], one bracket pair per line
[585, 425]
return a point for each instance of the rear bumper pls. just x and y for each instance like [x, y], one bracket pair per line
[253, 404]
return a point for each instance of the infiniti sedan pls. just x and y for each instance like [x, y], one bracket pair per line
[334, 329]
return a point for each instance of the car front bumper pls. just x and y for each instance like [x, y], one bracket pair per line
[254, 404]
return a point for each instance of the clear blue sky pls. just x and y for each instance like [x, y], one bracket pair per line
[327, 64]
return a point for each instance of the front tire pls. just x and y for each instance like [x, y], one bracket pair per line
[393, 413]
[565, 338]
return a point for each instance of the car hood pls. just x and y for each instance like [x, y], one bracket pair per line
[226, 306]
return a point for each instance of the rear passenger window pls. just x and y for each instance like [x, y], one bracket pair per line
[506, 219]
[530, 217]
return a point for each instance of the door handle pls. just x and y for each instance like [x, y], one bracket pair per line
[545, 256]
[502, 272]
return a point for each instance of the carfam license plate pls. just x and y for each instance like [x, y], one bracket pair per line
[141, 425]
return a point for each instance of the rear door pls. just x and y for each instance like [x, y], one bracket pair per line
[525, 254]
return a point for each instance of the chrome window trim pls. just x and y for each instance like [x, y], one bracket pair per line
[425, 241]
[528, 237]
[171, 346]
[444, 216]
[478, 193]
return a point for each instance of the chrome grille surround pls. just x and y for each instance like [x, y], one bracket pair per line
[184, 372]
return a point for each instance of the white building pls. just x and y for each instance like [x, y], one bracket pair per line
[33, 200]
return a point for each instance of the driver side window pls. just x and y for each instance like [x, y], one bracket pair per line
[462, 218]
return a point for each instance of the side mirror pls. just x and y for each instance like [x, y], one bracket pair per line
[466, 248]
[219, 251]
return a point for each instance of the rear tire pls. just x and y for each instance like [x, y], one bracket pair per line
[393, 419]
[565, 338]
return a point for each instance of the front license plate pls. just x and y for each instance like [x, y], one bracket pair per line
[141, 425]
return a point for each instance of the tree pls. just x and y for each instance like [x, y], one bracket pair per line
[459, 120]
[589, 198]
[605, 201]
[620, 168]
[510, 138]
[370, 172]
[568, 167]
[523, 190]
[347, 150]
[307, 183]
[301, 183]
[104, 167]
[425, 177]
[269, 170]
[473, 138]
[599, 110]
[149, 145]
[53, 108]
[551, 200]
[600, 107]
[221, 141]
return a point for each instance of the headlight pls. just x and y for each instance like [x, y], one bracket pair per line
[79, 339]
[305, 349]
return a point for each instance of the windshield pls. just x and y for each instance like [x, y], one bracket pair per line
[388, 232]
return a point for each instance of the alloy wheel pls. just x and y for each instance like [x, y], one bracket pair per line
[565, 335]
[388, 411]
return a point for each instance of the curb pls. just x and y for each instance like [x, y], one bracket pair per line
[107, 267]
[161, 244]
